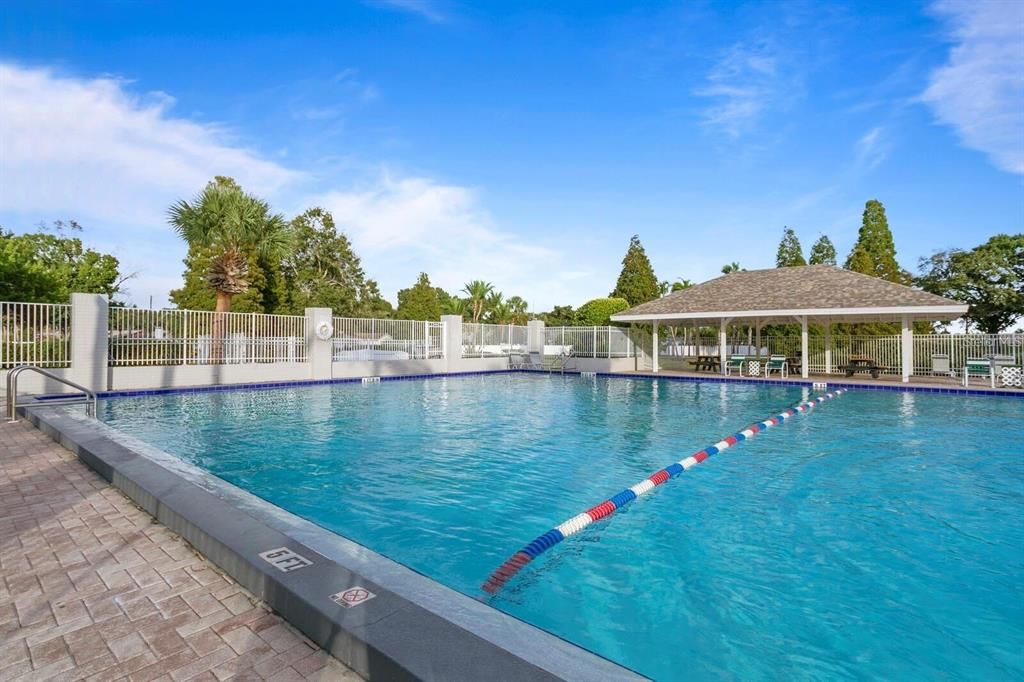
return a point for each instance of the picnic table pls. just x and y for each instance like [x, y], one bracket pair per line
[707, 362]
[793, 364]
[862, 363]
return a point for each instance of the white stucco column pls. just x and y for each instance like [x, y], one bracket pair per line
[654, 348]
[319, 352]
[89, 341]
[804, 356]
[721, 344]
[452, 340]
[828, 347]
[906, 349]
[535, 336]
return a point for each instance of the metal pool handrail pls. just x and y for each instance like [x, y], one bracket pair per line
[543, 543]
[12, 391]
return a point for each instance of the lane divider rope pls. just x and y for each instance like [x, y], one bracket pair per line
[543, 543]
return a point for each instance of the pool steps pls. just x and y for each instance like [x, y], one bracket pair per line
[542, 543]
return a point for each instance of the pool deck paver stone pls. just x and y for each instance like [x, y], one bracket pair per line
[93, 588]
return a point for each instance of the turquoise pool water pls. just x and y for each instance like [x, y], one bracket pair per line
[880, 536]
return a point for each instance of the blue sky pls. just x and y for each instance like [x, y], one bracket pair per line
[523, 142]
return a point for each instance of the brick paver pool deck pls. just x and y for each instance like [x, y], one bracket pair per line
[92, 587]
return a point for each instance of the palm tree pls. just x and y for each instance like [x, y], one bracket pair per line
[456, 306]
[477, 291]
[234, 225]
[501, 313]
[731, 267]
[518, 308]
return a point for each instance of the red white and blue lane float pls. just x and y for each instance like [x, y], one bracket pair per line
[543, 543]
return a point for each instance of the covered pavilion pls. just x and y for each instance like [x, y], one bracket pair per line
[808, 294]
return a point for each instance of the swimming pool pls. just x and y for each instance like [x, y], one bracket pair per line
[880, 536]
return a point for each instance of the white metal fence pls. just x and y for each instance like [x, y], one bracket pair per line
[588, 342]
[492, 340]
[35, 333]
[357, 339]
[139, 337]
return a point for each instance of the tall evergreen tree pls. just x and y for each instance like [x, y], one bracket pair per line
[874, 253]
[823, 252]
[637, 283]
[790, 252]
[419, 302]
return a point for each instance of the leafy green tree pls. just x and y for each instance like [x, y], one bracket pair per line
[46, 267]
[419, 302]
[681, 284]
[233, 225]
[823, 252]
[560, 316]
[597, 312]
[477, 293]
[874, 252]
[730, 268]
[637, 283]
[22, 276]
[323, 271]
[790, 252]
[989, 278]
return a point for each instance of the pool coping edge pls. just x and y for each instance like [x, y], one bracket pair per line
[381, 638]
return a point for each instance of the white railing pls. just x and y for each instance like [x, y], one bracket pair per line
[357, 339]
[35, 334]
[492, 340]
[588, 342]
[138, 337]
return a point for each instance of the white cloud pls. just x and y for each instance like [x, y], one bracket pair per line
[980, 89]
[871, 149]
[425, 8]
[402, 225]
[89, 146]
[92, 150]
[742, 85]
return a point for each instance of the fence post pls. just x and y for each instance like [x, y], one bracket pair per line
[319, 353]
[452, 339]
[89, 354]
[906, 349]
[828, 347]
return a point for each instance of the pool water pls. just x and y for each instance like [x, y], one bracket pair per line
[879, 536]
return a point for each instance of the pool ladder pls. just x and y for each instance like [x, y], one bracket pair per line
[89, 399]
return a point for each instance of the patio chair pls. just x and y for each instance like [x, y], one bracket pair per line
[776, 363]
[980, 368]
[735, 362]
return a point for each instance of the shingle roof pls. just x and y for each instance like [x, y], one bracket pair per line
[814, 290]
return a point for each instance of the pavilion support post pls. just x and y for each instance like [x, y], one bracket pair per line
[828, 347]
[654, 348]
[757, 324]
[906, 349]
[721, 343]
[804, 356]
